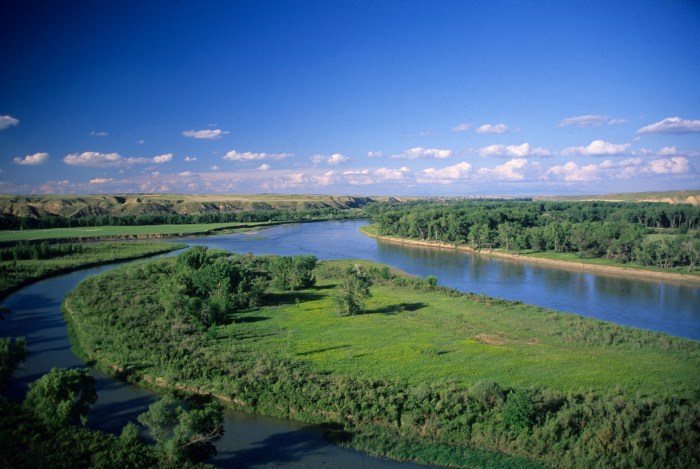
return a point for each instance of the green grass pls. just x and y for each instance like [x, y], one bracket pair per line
[120, 231]
[15, 274]
[421, 337]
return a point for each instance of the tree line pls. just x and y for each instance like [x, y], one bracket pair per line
[12, 222]
[618, 231]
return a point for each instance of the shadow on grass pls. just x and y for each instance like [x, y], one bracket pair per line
[321, 350]
[397, 308]
[290, 298]
[249, 319]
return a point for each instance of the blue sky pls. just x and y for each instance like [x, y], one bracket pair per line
[349, 97]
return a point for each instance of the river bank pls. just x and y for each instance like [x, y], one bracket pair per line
[568, 265]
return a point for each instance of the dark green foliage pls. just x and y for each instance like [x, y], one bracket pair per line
[26, 442]
[591, 229]
[184, 430]
[518, 410]
[292, 272]
[352, 290]
[62, 397]
[12, 353]
[24, 250]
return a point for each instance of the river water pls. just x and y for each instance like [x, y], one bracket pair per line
[256, 441]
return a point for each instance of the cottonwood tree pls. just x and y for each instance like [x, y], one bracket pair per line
[352, 291]
[184, 430]
[62, 397]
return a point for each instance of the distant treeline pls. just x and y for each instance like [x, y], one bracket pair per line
[10, 222]
[591, 229]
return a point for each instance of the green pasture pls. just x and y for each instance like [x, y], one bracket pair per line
[119, 231]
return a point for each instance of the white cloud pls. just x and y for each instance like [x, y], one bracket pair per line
[100, 180]
[387, 174]
[671, 125]
[493, 129]
[420, 152]
[189, 159]
[572, 172]
[99, 133]
[675, 165]
[264, 167]
[463, 127]
[185, 173]
[514, 151]
[233, 155]
[597, 148]
[617, 121]
[207, 134]
[163, 158]
[447, 174]
[155, 174]
[104, 160]
[665, 151]
[333, 160]
[7, 121]
[213, 168]
[32, 160]
[375, 154]
[511, 170]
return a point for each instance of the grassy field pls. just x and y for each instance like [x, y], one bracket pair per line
[120, 231]
[420, 337]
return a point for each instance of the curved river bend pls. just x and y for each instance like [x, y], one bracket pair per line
[256, 441]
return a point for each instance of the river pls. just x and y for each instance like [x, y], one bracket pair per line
[256, 441]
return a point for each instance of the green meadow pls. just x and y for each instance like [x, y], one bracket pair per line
[422, 336]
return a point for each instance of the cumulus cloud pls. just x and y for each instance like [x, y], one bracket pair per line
[573, 172]
[447, 174]
[671, 125]
[264, 167]
[463, 127]
[375, 154]
[233, 155]
[514, 151]
[189, 159]
[493, 129]
[104, 160]
[333, 160]
[206, 134]
[7, 122]
[512, 170]
[32, 160]
[387, 174]
[99, 133]
[100, 180]
[597, 148]
[675, 165]
[185, 173]
[163, 158]
[420, 152]
[213, 168]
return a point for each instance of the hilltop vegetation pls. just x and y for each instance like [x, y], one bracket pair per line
[422, 372]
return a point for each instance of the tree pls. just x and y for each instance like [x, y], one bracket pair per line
[518, 410]
[352, 290]
[12, 353]
[62, 397]
[184, 430]
[290, 273]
